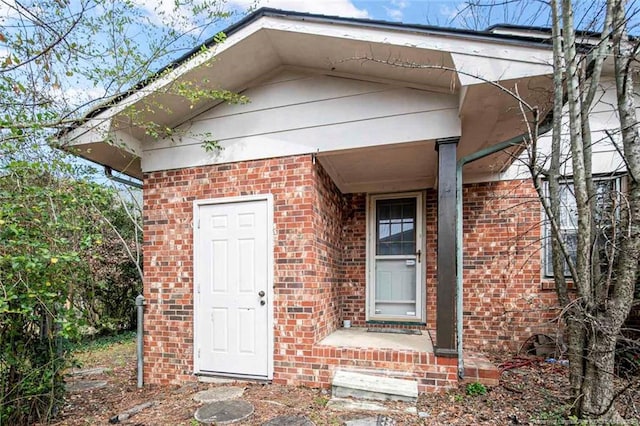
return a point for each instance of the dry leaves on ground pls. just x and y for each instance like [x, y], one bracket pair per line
[533, 393]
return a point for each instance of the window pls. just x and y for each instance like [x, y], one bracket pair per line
[396, 226]
[607, 190]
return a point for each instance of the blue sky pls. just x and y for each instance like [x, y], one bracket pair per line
[447, 13]
[433, 12]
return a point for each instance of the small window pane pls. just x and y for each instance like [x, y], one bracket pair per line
[396, 226]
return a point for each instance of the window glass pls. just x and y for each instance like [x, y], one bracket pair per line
[607, 191]
[395, 221]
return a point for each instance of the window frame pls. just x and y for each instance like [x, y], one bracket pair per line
[547, 261]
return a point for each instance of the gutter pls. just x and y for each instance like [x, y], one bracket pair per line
[108, 172]
[517, 140]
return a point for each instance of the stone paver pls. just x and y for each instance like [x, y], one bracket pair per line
[289, 421]
[224, 412]
[85, 385]
[379, 420]
[354, 405]
[222, 393]
[96, 371]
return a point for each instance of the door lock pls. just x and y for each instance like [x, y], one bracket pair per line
[261, 294]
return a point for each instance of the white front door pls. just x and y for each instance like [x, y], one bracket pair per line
[395, 260]
[232, 288]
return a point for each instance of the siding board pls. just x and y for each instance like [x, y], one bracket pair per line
[297, 114]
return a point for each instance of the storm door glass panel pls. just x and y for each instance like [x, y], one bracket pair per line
[395, 257]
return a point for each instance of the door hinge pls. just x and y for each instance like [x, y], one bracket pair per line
[198, 352]
[198, 223]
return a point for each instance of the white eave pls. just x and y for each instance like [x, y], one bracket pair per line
[457, 63]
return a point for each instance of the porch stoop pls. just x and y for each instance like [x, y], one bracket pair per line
[368, 386]
[391, 356]
[477, 368]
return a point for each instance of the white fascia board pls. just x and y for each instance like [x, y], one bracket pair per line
[94, 130]
[98, 130]
[453, 43]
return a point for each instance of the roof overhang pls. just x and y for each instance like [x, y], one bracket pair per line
[464, 63]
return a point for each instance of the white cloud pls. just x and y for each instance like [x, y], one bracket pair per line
[458, 12]
[396, 12]
[8, 9]
[165, 12]
[323, 7]
[77, 96]
[400, 3]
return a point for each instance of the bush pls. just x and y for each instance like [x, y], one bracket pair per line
[476, 389]
[52, 259]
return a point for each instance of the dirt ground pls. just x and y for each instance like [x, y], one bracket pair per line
[532, 393]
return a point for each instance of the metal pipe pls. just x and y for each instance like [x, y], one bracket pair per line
[108, 172]
[139, 338]
[459, 240]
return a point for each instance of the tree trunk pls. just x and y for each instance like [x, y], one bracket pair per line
[597, 401]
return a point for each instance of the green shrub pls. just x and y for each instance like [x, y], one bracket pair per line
[475, 389]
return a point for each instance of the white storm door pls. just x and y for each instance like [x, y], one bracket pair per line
[395, 250]
[232, 274]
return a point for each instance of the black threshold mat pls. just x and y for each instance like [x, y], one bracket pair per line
[393, 330]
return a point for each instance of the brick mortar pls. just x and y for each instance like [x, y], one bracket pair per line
[320, 258]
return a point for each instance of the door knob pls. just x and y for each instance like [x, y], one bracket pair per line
[261, 293]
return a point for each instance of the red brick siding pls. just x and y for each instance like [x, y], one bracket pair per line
[168, 250]
[328, 208]
[430, 259]
[504, 302]
[353, 291]
[504, 298]
[320, 259]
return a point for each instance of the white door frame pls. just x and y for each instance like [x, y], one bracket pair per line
[371, 230]
[196, 265]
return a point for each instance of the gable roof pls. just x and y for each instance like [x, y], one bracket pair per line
[512, 34]
[270, 39]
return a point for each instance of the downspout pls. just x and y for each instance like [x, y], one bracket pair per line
[108, 172]
[139, 339]
[544, 128]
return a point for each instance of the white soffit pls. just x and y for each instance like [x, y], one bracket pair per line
[270, 43]
[479, 70]
[384, 168]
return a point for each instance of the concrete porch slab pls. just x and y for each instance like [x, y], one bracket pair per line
[359, 338]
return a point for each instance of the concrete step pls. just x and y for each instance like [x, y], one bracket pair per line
[366, 386]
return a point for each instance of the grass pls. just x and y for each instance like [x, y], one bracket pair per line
[103, 342]
[112, 350]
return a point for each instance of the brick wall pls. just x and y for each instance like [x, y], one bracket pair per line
[505, 301]
[504, 298]
[168, 250]
[319, 271]
[353, 289]
[328, 208]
